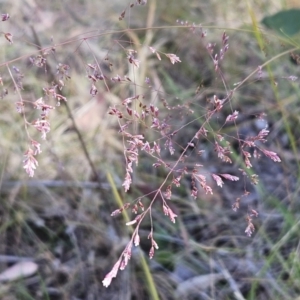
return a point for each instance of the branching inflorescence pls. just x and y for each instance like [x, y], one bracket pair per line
[134, 113]
[136, 143]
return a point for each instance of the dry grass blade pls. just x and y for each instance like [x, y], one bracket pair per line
[19, 270]
[198, 283]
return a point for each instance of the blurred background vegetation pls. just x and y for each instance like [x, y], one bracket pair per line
[60, 219]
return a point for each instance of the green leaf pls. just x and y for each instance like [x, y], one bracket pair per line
[286, 22]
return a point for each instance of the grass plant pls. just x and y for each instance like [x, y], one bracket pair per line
[151, 144]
